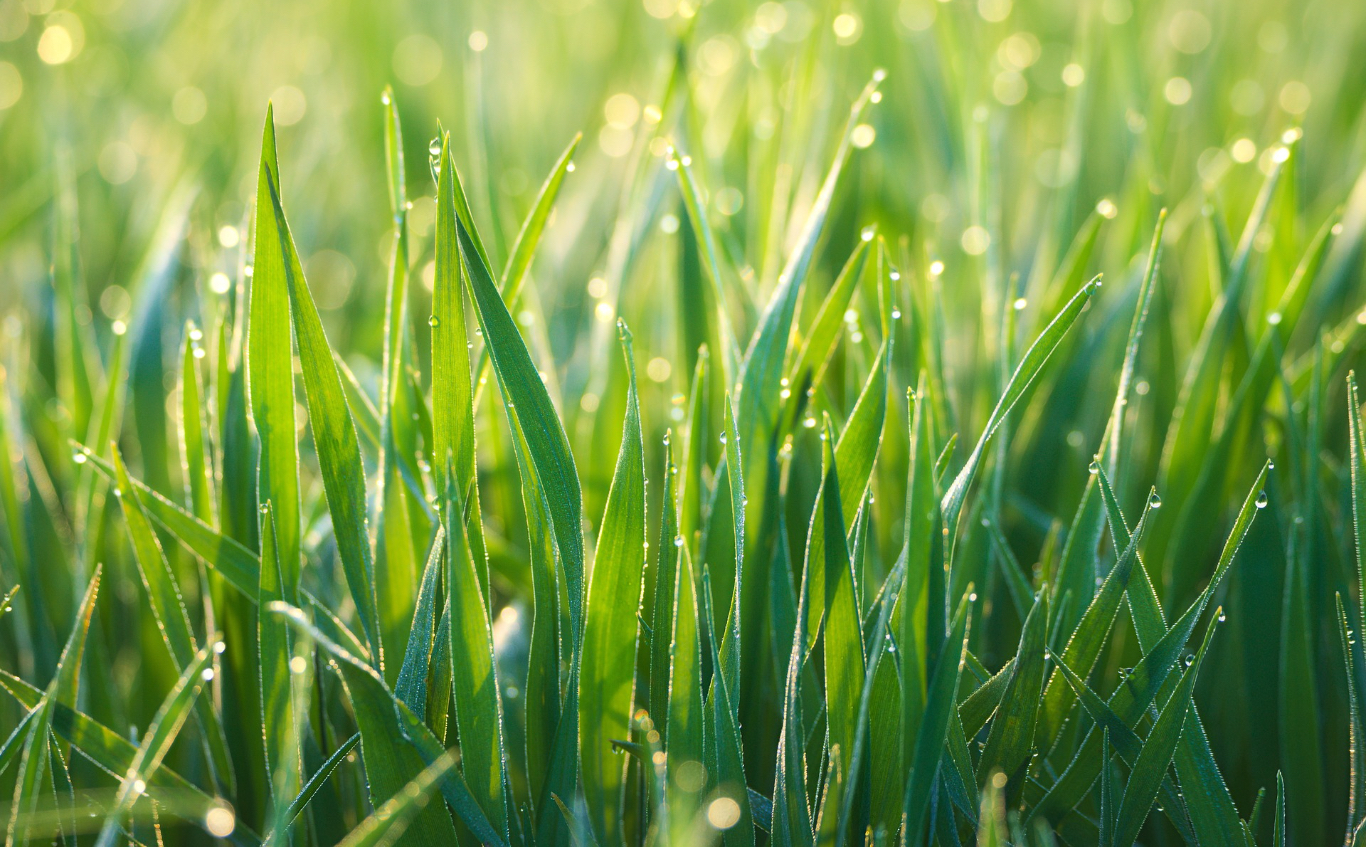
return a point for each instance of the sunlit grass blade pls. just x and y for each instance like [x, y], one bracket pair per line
[606, 683]
[411, 686]
[390, 820]
[683, 736]
[334, 433]
[283, 774]
[270, 366]
[1030, 365]
[315, 782]
[168, 609]
[723, 738]
[474, 676]
[394, 745]
[163, 729]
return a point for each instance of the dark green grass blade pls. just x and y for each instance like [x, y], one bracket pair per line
[929, 745]
[1156, 755]
[529, 402]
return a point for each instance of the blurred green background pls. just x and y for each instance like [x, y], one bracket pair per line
[1002, 129]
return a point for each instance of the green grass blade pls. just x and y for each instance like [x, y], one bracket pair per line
[474, 676]
[607, 674]
[193, 456]
[395, 744]
[319, 778]
[724, 739]
[843, 644]
[1030, 365]
[929, 744]
[334, 433]
[163, 729]
[270, 366]
[665, 587]
[1156, 756]
[1011, 738]
[168, 609]
[528, 402]
[411, 686]
[282, 758]
[390, 820]
[683, 737]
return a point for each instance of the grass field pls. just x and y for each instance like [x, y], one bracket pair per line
[580, 422]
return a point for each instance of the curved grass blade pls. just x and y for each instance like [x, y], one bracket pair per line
[315, 782]
[607, 673]
[1030, 365]
[168, 609]
[395, 744]
[390, 820]
[163, 729]
[528, 404]
[683, 737]
[729, 662]
[411, 686]
[275, 654]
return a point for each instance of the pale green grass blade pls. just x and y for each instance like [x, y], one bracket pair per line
[533, 227]
[474, 676]
[334, 433]
[695, 206]
[110, 751]
[270, 366]
[823, 334]
[163, 729]
[922, 598]
[843, 643]
[193, 454]
[724, 739]
[390, 820]
[607, 675]
[168, 609]
[282, 759]
[1030, 365]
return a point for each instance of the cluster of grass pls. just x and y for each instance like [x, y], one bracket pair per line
[946, 542]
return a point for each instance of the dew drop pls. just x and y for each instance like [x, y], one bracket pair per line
[1223, 617]
[1262, 500]
[265, 508]
[1189, 660]
[434, 147]
[896, 314]
[385, 98]
[723, 438]
[1154, 501]
[78, 457]
[678, 541]
[433, 321]
[1271, 464]
[1094, 467]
